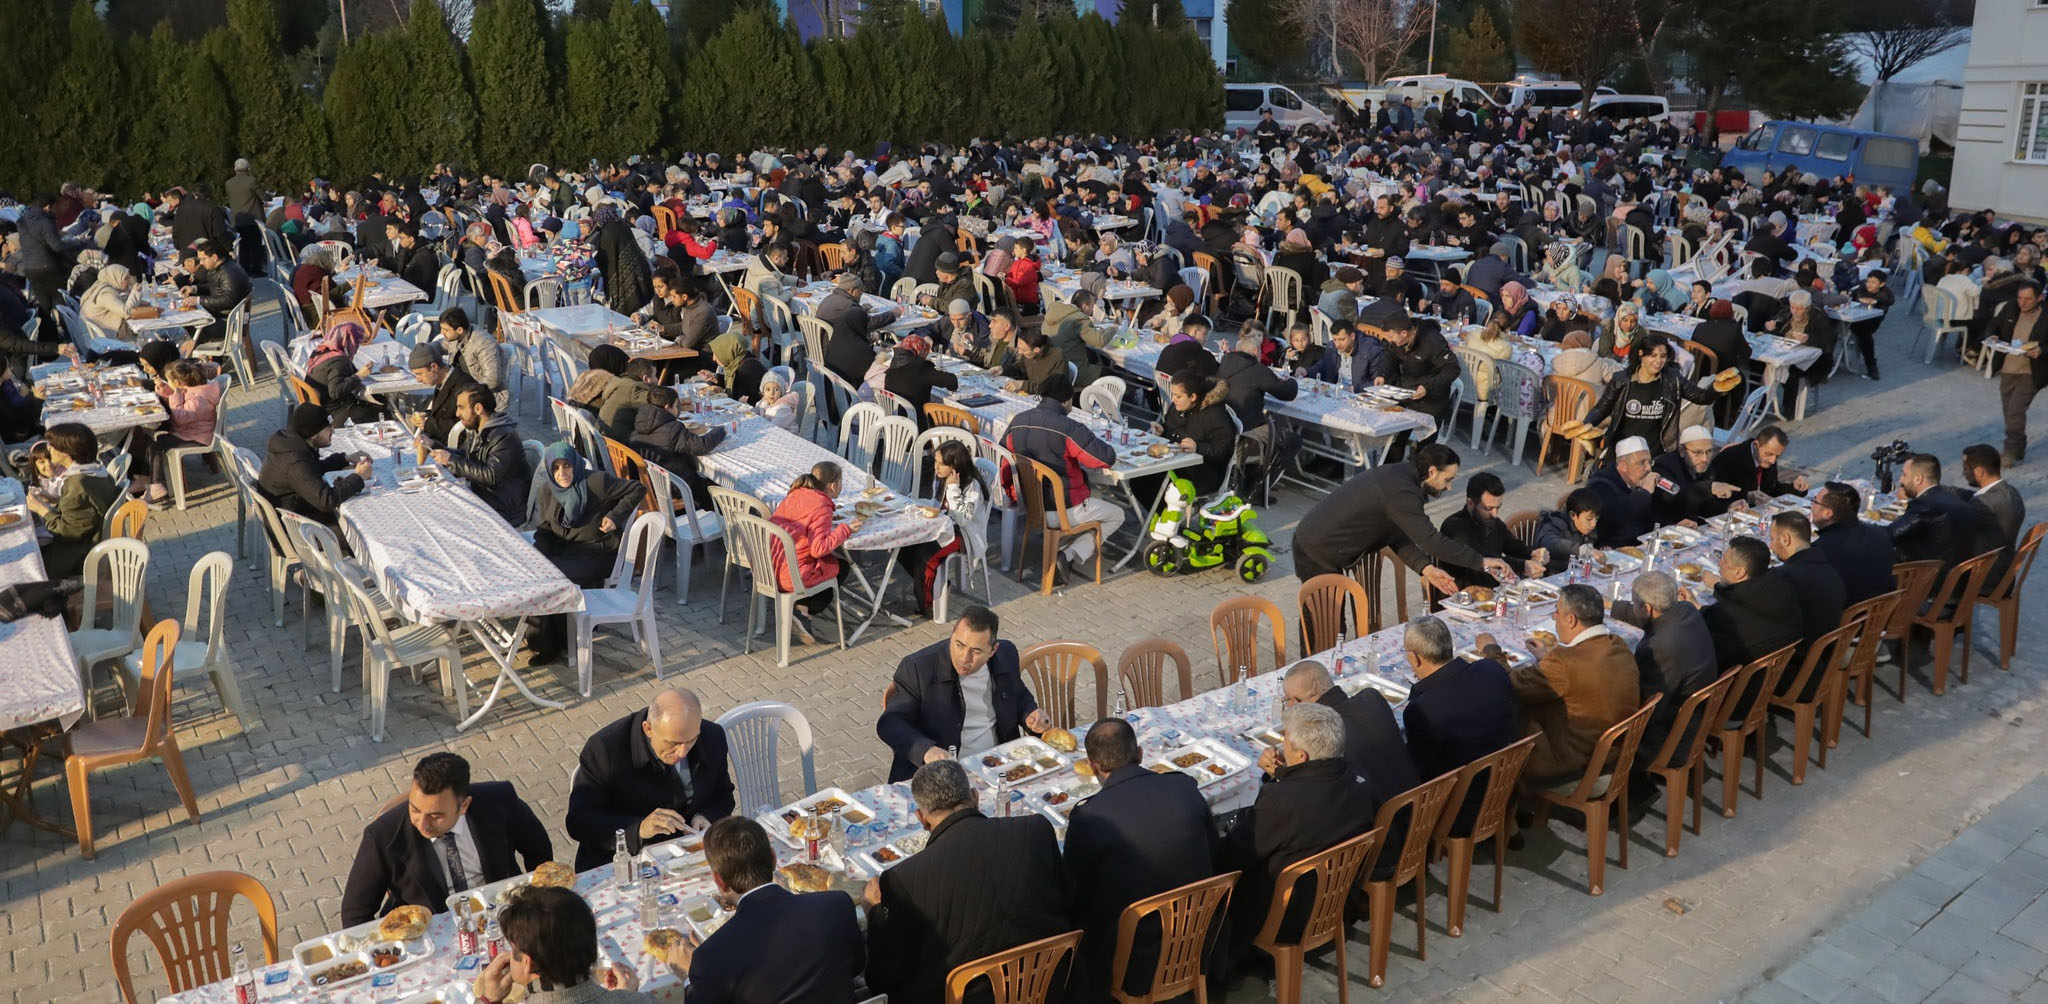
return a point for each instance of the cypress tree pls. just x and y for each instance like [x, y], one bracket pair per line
[514, 90]
[698, 20]
[743, 87]
[440, 106]
[36, 36]
[371, 131]
[201, 142]
[83, 120]
[151, 64]
[1139, 112]
[589, 79]
[834, 109]
[1025, 85]
[1095, 102]
[926, 89]
[261, 95]
[647, 75]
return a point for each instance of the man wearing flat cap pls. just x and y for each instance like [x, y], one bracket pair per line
[429, 366]
[292, 477]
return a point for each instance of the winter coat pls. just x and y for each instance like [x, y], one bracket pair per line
[291, 478]
[586, 552]
[807, 514]
[193, 410]
[628, 282]
[493, 461]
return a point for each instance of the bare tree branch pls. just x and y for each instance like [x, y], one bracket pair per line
[1891, 53]
[1376, 33]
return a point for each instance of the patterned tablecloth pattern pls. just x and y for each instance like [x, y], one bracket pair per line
[39, 681]
[108, 400]
[445, 556]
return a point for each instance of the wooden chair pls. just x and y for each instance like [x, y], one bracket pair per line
[186, 920]
[302, 392]
[1335, 872]
[1142, 672]
[1914, 580]
[1805, 692]
[1044, 494]
[1602, 792]
[1053, 666]
[1682, 760]
[1570, 400]
[950, 415]
[1424, 806]
[1323, 603]
[1742, 718]
[1876, 612]
[127, 519]
[1185, 917]
[1959, 589]
[2004, 595]
[1370, 571]
[1022, 975]
[747, 305]
[144, 734]
[1501, 771]
[1234, 631]
[1522, 526]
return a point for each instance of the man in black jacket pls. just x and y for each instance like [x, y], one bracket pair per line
[447, 835]
[1382, 507]
[416, 260]
[195, 217]
[1625, 501]
[1458, 710]
[980, 886]
[1684, 489]
[1940, 523]
[850, 350]
[219, 285]
[1675, 657]
[1314, 802]
[1822, 596]
[1142, 834]
[662, 438]
[1372, 741]
[291, 476]
[492, 459]
[1479, 527]
[748, 959]
[430, 367]
[935, 236]
[1861, 553]
[1752, 465]
[1250, 382]
[1046, 433]
[655, 774]
[1753, 614]
[1422, 362]
[965, 693]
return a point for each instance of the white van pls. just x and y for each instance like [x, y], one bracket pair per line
[1243, 103]
[1631, 108]
[1542, 94]
[1422, 87]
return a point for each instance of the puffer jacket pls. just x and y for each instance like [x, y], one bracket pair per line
[663, 439]
[1556, 535]
[807, 514]
[482, 360]
[41, 247]
[493, 461]
[193, 410]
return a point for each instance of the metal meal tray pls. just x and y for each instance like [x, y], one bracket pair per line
[1211, 753]
[356, 944]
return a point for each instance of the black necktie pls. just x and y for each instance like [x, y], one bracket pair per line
[458, 880]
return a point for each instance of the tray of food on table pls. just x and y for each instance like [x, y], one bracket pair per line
[1019, 760]
[350, 956]
[1206, 760]
[789, 821]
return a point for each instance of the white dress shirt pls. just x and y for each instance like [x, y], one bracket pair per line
[465, 848]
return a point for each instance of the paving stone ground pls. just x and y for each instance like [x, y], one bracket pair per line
[1783, 900]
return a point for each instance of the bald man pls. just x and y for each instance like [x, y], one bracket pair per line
[657, 773]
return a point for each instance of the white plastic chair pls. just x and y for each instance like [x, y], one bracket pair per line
[1472, 362]
[686, 526]
[998, 459]
[1938, 309]
[752, 733]
[124, 561]
[1517, 397]
[241, 467]
[1106, 393]
[731, 505]
[627, 597]
[960, 565]
[284, 554]
[173, 462]
[896, 463]
[895, 404]
[1195, 278]
[768, 548]
[927, 443]
[1747, 421]
[386, 648]
[201, 645]
[860, 432]
[1283, 289]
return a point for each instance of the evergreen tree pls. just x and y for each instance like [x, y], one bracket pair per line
[201, 140]
[698, 20]
[1269, 32]
[440, 106]
[927, 90]
[997, 18]
[261, 95]
[1143, 69]
[514, 90]
[746, 86]
[36, 35]
[1096, 102]
[887, 16]
[83, 119]
[875, 110]
[1477, 52]
[150, 64]
[648, 73]
[365, 104]
[1023, 87]
[590, 85]
[835, 109]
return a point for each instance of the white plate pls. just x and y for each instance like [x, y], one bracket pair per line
[1042, 758]
[489, 896]
[453, 993]
[1511, 657]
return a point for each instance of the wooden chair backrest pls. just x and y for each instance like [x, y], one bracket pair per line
[1961, 586]
[1142, 668]
[1424, 805]
[1914, 580]
[1327, 605]
[1335, 872]
[302, 391]
[1570, 400]
[186, 921]
[128, 519]
[2008, 588]
[1757, 680]
[1522, 526]
[501, 290]
[952, 415]
[1694, 723]
[1615, 753]
[1052, 668]
[1499, 771]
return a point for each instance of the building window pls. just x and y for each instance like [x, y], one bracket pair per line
[2031, 144]
[1203, 26]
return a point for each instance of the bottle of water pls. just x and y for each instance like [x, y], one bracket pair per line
[1122, 702]
[1340, 662]
[245, 981]
[650, 908]
[1002, 796]
[623, 873]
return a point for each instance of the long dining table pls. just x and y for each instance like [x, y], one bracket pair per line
[41, 693]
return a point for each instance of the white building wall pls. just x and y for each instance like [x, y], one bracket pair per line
[1994, 167]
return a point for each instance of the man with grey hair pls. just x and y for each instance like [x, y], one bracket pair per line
[1372, 740]
[980, 886]
[1675, 657]
[1248, 381]
[1583, 681]
[1458, 710]
[656, 774]
[1313, 802]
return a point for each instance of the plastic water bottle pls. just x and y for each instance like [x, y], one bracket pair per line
[245, 981]
[1340, 663]
[1002, 796]
[623, 872]
[650, 908]
[1122, 702]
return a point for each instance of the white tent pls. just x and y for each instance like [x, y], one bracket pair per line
[1925, 101]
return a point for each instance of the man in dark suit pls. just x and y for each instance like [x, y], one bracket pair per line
[850, 350]
[448, 835]
[1314, 802]
[656, 774]
[1479, 527]
[1141, 835]
[1382, 507]
[1458, 711]
[1940, 523]
[980, 886]
[1822, 596]
[1676, 654]
[1753, 614]
[1860, 552]
[1982, 468]
[1626, 505]
[1372, 740]
[965, 693]
[1753, 465]
[748, 960]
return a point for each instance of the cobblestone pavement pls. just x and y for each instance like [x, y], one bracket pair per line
[1741, 907]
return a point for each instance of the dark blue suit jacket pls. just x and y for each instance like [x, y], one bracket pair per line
[1862, 554]
[1141, 835]
[927, 710]
[756, 959]
[1461, 712]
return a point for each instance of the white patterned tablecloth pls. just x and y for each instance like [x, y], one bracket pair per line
[38, 673]
[108, 401]
[445, 556]
[1317, 404]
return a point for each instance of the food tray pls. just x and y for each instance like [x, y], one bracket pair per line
[1200, 757]
[1015, 755]
[453, 993]
[1621, 564]
[703, 915]
[1678, 538]
[850, 810]
[1057, 804]
[877, 861]
[1395, 691]
[489, 896]
[1511, 656]
[356, 944]
[1531, 592]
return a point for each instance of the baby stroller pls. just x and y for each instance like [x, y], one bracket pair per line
[1188, 536]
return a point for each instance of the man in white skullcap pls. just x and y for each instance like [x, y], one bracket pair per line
[1684, 493]
[1624, 490]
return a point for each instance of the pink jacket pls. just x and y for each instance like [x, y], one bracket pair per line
[192, 411]
[807, 514]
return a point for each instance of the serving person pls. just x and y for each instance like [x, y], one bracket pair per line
[1143, 834]
[980, 886]
[656, 774]
[965, 693]
[1382, 507]
[748, 959]
[447, 835]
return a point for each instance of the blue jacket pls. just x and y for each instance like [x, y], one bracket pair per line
[1369, 359]
[889, 259]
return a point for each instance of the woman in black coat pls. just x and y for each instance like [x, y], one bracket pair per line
[583, 517]
[911, 376]
[1644, 399]
[628, 281]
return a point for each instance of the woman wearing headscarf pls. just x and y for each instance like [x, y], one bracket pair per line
[334, 375]
[583, 513]
[1579, 361]
[1179, 303]
[1644, 400]
[1524, 318]
[1659, 293]
[911, 375]
[607, 366]
[628, 280]
[1562, 318]
[1492, 342]
[1197, 420]
[1560, 268]
[739, 370]
[105, 304]
[1296, 253]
